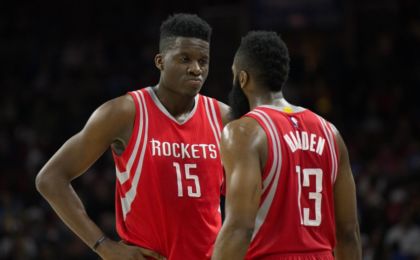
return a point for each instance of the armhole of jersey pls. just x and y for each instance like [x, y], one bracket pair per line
[331, 128]
[269, 161]
[223, 186]
[126, 154]
[332, 145]
[218, 113]
[212, 112]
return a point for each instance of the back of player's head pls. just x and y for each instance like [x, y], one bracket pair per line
[264, 55]
[183, 25]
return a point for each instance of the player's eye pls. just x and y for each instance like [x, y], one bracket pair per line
[203, 62]
[184, 59]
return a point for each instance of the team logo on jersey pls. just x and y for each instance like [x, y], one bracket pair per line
[294, 122]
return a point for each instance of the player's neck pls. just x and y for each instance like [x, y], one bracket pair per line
[267, 98]
[176, 104]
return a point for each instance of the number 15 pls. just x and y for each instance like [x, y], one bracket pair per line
[188, 176]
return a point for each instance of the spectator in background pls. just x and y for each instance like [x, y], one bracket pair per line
[403, 238]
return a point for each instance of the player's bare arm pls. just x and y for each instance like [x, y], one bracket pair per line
[110, 124]
[241, 149]
[347, 226]
[225, 113]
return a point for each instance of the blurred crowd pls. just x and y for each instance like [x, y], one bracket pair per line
[58, 63]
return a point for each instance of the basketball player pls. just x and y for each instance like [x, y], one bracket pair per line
[290, 190]
[165, 144]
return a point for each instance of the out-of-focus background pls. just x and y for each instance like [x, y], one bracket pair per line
[355, 62]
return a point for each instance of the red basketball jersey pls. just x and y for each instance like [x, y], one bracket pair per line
[169, 179]
[295, 219]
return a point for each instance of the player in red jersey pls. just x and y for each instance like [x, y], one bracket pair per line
[290, 190]
[165, 144]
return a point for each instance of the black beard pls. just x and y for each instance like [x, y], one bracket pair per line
[238, 101]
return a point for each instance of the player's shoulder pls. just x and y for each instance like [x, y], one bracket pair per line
[223, 107]
[244, 128]
[329, 126]
[320, 119]
[112, 118]
[243, 136]
[119, 108]
[121, 104]
[225, 112]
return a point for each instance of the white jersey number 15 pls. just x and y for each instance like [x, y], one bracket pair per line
[192, 192]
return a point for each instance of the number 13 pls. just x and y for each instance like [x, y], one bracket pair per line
[317, 195]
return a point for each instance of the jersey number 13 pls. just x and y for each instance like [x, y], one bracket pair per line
[315, 195]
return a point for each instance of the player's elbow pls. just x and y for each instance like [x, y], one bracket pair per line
[41, 183]
[348, 234]
[243, 233]
[45, 184]
[348, 242]
[244, 229]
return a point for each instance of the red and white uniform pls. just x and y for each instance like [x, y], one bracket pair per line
[295, 219]
[169, 179]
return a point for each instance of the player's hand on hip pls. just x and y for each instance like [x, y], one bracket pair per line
[149, 253]
[112, 250]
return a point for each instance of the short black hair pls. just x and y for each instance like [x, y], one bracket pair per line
[265, 55]
[183, 25]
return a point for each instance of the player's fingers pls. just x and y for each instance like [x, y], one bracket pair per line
[145, 251]
[148, 252]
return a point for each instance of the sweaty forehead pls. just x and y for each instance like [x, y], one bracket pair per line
[187, 45]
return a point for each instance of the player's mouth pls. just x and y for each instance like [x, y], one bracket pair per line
[195, 82]
[198, 80]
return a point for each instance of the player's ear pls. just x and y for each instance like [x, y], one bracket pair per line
[243, 78]
[159, 61]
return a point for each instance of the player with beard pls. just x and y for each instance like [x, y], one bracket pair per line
[238, 101]
[165, 144]
[290, 192]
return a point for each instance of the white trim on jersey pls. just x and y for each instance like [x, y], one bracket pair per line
[330, 140]
[213, 113]
[124, 176]
[335, 157]
[272, 171]
[166, 112]
[266, 204]
[130, 195]
[213, 125]
[332, 129]
[297, 168]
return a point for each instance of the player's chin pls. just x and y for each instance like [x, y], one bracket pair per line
[193, 87]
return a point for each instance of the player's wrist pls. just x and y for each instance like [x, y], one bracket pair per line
[99, 244]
